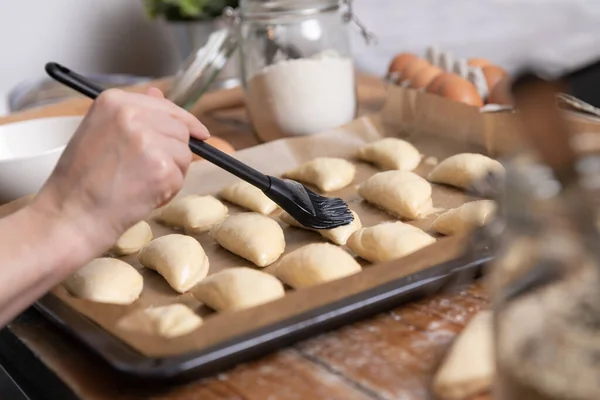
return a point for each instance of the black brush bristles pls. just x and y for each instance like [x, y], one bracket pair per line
[331, 211]
[310, 209]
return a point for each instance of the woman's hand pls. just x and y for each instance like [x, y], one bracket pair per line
[129, 155]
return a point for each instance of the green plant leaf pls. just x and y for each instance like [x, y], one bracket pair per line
[187, 9]
[153, 8]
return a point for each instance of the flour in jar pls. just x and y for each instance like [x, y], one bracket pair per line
[302, 97]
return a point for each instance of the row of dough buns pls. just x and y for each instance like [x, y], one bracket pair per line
[182, 262]
[259, 239]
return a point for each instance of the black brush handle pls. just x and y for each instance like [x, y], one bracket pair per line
[230, 164]
[73, 80]
[223, 160]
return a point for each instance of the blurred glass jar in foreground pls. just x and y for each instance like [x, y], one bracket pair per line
[297, 66]
[546, 293]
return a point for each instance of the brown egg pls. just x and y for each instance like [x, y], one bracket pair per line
[413, 68]
[501, 93]
[461, 90]
[436, 84]
[424, 77]
[478, 62]
[219, 143]
[400, 61]
[493, 74]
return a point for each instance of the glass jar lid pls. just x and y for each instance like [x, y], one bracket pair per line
[266, 9]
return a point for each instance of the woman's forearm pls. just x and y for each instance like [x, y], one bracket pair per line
[37, 251]
[129, 155]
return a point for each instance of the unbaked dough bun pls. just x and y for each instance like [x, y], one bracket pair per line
[106, 280]
[388, 241]
[401, 193]
[391, 154]
[326, 173]
[168, 321]
[465, 218]
[253, 236]
[180, 259]
[468, 368]
[315, 264]
[249, 197]
[238, 288]
[464, 170]
[133, 239]
[194, 214]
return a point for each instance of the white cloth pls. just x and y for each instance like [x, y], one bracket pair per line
[552, 34]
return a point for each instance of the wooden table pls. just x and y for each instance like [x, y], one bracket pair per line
[390, 356]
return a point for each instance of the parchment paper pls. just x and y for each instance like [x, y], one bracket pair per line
[275, 158]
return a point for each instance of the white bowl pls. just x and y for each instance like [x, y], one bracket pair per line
[29, 151]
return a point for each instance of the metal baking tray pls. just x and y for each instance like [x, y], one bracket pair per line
[183, 368]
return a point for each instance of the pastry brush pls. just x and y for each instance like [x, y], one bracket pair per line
[305, 206]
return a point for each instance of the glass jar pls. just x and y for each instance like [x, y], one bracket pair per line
[297, 67]
[545, 291]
